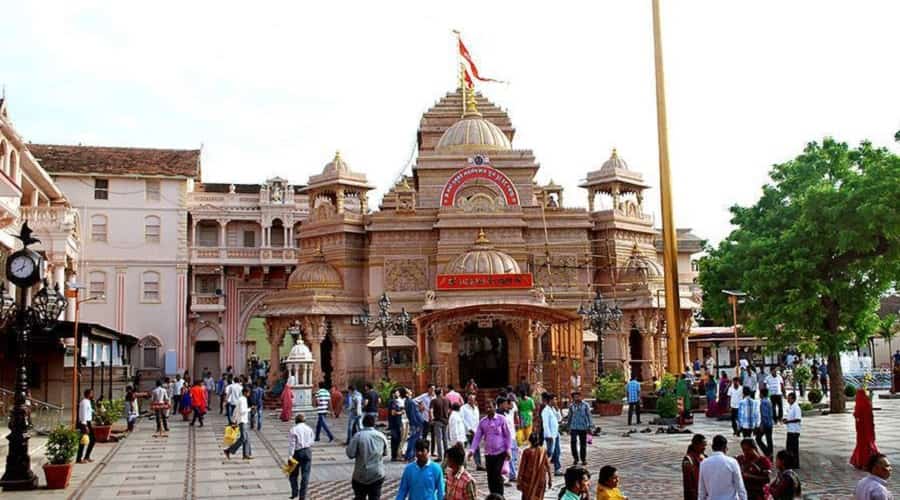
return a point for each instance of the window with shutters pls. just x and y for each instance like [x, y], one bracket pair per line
[97, 285]
[249, 239]
[101, 189]
[151, 189]
[151, 229]
[98, 228]
[150, 287]
[206, 284]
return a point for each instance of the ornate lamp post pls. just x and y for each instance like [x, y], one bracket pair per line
[397, 324]
[600, 317]
[25, 268]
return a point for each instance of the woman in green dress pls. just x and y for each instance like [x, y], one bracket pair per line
[683, 392]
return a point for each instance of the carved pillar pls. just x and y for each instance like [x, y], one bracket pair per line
[222, 232]
[275, 330]
[421, 350]
[315, 328]
[195, 237]
[339, 200]
[363, 202]
[591, 195]
[527, 361]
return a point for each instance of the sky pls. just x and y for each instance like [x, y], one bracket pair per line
[269, 88]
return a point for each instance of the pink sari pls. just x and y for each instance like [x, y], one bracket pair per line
[287, 404]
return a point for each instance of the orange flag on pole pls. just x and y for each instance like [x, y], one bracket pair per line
[464, 52]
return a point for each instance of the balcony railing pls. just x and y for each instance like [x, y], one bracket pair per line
[42, 418]
[244, 255]
[202, 302]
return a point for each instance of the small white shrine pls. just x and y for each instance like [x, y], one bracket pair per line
[299, 367]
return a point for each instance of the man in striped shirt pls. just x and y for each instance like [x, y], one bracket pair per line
[323, 400]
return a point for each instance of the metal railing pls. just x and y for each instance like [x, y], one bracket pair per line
[43, 417]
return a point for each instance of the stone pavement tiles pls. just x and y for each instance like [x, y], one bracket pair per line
[190, 463]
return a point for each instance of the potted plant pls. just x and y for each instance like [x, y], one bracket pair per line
[108, 412]
[385, 388]
[62, 445]
[608, 394]
[814, 396]
[802, 376]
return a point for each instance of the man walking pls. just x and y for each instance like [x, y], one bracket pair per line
[550, 425]
[177, 387]
[425, 399]
[241, 418]
[494, 431]
[440, 417]
[416, 422]
[221, 384]
[354, 411]
[748, 414]
[690, 466]
[874, 485]
[159, 403]
[792, 421]
[232, 394]
[368, 447]
[471, 416]
[775, 385]
[633, 389]
[579, 426]
[300, 439]
[371, 399]
[735, 394]
[256, 401]
[323, 399]
[198, 402]
[720, 475]
[766, 423]
[422, 479]
[506, 407]
[85, 417]
[395, 424]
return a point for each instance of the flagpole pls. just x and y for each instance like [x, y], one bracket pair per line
[462, 78]
[675, 351]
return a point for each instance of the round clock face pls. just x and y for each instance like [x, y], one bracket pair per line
[22, 267]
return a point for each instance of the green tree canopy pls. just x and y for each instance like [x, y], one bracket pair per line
[814, 254]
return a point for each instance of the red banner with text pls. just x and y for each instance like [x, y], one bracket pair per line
[484, 281]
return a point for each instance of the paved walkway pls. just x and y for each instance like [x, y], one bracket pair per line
[189, 463]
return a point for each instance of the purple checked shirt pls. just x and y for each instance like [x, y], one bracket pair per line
[495, 433]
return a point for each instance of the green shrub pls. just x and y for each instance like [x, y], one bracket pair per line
[849, 390]
[667, 404]
[802, 375]
[814, 396]
[384, 389]
[806, 406]
[109, 411]
[62, 445]
[610, 387]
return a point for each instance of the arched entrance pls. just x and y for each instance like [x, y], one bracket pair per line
[327, 347]
[636, 352]
[483, 355]
[206, 352]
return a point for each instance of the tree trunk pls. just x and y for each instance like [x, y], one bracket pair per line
[837, 400]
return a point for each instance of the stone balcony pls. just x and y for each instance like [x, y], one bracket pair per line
[207, 303]
[244, 256]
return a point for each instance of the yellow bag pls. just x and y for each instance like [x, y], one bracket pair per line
[231, 435]
[520, 437]
[85, 439]
[289, 467]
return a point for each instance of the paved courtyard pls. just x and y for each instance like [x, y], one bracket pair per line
[190, 464]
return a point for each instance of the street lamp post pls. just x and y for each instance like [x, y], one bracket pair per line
[385, 322]
[24, 268]
[601, 317]
[734, 297]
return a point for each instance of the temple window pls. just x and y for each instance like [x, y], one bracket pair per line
[150, 287]
[101, 189]
[98, 228]
[151, 229]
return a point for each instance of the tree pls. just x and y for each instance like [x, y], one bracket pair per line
[814, 253]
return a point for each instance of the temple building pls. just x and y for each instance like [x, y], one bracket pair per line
[490, 265]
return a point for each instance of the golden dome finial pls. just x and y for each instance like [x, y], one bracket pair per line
[471, 106]
[337, 155]
[482, 238]
[404, 183]
[615, 154]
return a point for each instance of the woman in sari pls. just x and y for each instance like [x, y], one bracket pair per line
[185, 407]
[724, 403]
[287, 404]
[712, 407]
[865, 431]
[535, 475]
[683, 392]
[337, 401]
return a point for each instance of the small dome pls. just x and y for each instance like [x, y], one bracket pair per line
[640, 269]
[336, 166]
[315, 274]
[472, 133]
[614, 162]
[483, 259]
[299, 352]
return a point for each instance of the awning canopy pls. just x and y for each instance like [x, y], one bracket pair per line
[393, 341]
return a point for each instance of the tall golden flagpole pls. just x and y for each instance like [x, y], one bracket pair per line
[670, 241]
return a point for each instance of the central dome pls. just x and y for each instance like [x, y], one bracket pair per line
[473, 133]
[315, 274]
[483, 259]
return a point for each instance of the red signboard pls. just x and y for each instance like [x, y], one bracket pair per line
[484, 281]
[464, 175]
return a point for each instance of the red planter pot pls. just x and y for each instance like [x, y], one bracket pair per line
[57, 476]
[102, 432]
[605, 409]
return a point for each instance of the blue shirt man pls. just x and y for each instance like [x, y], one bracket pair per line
[633, 388]
[422, 479]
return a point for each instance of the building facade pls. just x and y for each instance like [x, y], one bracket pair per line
[132, 208]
